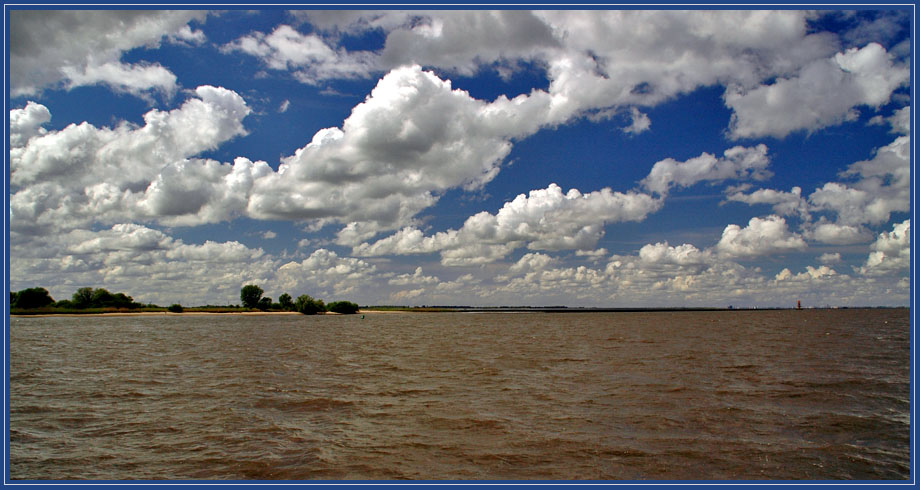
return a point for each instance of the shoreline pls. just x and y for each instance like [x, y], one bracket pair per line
[193, 313]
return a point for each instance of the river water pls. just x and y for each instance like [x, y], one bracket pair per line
[730, 395]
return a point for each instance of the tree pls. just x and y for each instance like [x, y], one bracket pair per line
[102, 298]
[122, 300]
[344, 307]
[83, 298]
[250, 296]
[287, 304]
[309, 306]
[175, 308]
[33, 298]
[265, 303]
[65, 304]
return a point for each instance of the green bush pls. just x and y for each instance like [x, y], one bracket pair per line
[309, 306]
[344, 307]
[175, 308]
[265, 303]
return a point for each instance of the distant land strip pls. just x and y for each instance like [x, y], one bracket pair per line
[567, 309]
[15, 312]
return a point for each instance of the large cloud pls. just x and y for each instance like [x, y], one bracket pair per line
[84, 174]
[761, 236]
[823, 93]
[622, 58]
[191, 192]
[50, 48]
[411, 139]
[82, 154]
[545, 219]
[617, 58]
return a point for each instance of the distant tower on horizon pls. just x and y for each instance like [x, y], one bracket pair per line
[798, 305]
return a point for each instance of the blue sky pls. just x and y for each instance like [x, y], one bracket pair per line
[468, 157]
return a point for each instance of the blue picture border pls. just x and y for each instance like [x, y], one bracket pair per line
[650, 484]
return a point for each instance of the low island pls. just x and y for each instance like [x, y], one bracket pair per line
[99, 301]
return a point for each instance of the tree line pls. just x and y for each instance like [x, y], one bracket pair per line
[97, 298]
[32, 298]
[251, 297]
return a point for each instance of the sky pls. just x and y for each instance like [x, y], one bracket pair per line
[609, 158]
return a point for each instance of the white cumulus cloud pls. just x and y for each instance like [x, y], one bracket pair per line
[413, 138]
[784, 203]
[737, 163]
[881, 187]
[890, 252]
[417, 277]
[27, 122]
[49, 48]
[544, 219]
[761, 236]
[84, 174]
[822, 93]
[837, 234]
[308, 56]
[324, 275]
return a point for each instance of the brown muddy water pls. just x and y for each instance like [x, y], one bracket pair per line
[734, 395]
